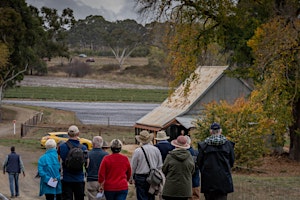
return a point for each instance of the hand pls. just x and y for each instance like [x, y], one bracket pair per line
[24, 174]
[131, 181]
[3, 172]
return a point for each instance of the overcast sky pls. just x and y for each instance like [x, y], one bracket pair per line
[111, 10]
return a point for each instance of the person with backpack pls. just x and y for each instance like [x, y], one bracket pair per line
[73, 156]
[215, 160]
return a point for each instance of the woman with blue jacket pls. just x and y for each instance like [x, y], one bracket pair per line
[49, 171]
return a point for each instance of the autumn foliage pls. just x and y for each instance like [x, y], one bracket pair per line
[245, 123]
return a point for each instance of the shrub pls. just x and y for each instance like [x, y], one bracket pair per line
[77, 69]
[244, 123]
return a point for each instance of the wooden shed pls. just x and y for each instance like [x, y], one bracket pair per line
[178, 112]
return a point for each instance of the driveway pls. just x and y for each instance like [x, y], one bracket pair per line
[116, 114]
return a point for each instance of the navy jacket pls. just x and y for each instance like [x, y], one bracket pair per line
[164, 147]
[95, 156]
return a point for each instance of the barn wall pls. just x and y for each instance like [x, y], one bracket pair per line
[225, 88]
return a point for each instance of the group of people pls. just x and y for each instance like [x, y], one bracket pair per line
[108, 174]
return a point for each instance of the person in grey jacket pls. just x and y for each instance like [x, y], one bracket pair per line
[178, 168]
[215, 160]
[13, 165]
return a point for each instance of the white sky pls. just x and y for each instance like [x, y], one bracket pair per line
[111, 10]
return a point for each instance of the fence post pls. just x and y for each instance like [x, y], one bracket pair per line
[22, 132]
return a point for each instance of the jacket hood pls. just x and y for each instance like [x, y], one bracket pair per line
[180, 154]
[215, 140]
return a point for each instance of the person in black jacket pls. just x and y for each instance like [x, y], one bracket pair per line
[215, 160]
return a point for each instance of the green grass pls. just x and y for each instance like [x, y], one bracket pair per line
[87, 94]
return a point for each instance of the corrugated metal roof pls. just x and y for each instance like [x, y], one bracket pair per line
[178, 103]
[186, 121]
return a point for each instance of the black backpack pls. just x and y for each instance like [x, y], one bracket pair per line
[75, 158]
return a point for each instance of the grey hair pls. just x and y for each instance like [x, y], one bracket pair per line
[97, 142]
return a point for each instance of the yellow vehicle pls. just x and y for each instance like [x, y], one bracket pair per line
[61, 137]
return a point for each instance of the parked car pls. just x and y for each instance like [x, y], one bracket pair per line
[61, 137]
[82, 55]
[90, 60]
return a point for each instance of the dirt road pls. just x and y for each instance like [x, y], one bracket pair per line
[29, 186]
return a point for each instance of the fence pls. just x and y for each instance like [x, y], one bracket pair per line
[30, 123]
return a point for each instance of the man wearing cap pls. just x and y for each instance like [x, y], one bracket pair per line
[215, 160]
[72, 182]
[140, 168]
[95, 157]
[163, 144]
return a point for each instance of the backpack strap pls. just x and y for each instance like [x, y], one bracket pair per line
[146, 158]
[71, 146]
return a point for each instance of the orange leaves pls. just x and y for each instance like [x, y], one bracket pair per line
[243, 122]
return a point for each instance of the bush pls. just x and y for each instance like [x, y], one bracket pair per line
[77, 69]
[244, 123]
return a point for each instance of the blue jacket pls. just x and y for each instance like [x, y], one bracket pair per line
[164, 147]
[67, 175]
[196, 175]
[95, 156]
[49, 166]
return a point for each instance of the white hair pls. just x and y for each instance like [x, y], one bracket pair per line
[50, 144]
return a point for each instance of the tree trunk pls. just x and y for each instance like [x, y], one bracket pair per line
[295, 133]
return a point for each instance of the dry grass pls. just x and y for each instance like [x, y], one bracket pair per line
[136, 70]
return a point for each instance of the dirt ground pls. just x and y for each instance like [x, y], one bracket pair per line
[29, 185]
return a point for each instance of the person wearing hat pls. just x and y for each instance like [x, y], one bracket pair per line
[178, 167]
[95, 157]
[105, 146]
[215, 160]
[140, 168]
[13, 165]
[49, 170]
[114, 173]
[72, 182]
[163, 144]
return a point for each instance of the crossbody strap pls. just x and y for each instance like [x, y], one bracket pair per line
[146, 157]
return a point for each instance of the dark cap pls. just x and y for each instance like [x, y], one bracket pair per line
[215, 126]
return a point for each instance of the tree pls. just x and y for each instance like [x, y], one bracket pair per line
[19, 41]
[22, 32]
[121, 38]
[124, 37]
[277, 58]
[273, 66]
[56, 27]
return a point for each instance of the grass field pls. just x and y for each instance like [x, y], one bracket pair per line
[87, 94]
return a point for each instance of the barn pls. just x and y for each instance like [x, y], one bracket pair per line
[178, 112]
